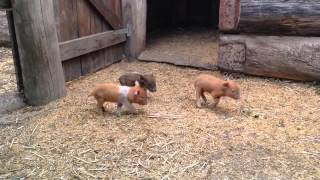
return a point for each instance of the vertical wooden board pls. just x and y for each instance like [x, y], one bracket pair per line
[56, 9]
[107, 51]
[229, 15]
[97, 61]
[67, 27]
[114, 6]
[118, 51]
[84, 25]
[89, 61]
[135, 14]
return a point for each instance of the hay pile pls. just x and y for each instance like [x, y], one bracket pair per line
[272, 132]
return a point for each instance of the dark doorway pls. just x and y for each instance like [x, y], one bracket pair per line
[182, 32]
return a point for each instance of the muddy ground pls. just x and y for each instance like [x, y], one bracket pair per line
[273, 132]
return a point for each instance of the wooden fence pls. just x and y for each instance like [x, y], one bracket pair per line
[59, 40]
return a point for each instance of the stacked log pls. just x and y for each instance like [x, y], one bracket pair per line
[274, 38]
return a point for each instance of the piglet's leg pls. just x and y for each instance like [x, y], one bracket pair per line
[119, 105]
[203, 97]
[216, 101]
[198, 97]
[100, 105]
[130, 107]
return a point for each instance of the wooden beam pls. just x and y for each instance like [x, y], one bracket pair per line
[42, 72]
[283, 17]
[229, 15]
[85, 45]
[286, 57]
[135, 14]
[5, 4]
[107, 13]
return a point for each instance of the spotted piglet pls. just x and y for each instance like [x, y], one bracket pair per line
[216, 87]
[122, 95]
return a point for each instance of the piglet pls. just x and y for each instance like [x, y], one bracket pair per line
[146, 81]
[216, 87]
[122, 95]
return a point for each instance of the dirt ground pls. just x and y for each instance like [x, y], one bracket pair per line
[7, 72]
[10, 99]
[183, 46]
[273, 132]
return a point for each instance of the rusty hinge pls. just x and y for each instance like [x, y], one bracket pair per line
[127, 30]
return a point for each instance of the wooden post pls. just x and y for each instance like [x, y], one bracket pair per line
[229, 13]
[135, 15]
[15, 53]
[41, 67]
[288, 57]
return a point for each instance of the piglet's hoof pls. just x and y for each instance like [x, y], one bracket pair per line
[199, 105]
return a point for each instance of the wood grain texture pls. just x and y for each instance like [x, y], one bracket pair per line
[296, 58]
[66, 16]
[114, 20]
[229, 15]
[87, 44]
[135, 14]
[288, 17]
[42, 73]
[79, 19]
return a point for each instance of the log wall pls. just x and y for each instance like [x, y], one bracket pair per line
[274, 17]
[296, 58]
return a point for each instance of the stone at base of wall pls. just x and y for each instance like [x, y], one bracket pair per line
[4, 31]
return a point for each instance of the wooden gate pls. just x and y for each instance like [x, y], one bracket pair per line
[90, 35]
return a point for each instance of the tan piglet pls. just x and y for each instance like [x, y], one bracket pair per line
[217, 88]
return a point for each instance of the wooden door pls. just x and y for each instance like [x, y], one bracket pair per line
[90, 35]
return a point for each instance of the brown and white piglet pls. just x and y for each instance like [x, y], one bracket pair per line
[122, 95]
[146, 81]
[216, 87]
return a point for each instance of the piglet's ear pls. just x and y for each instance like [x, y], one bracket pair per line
[225, 85]
[137, 83]
[136, 93]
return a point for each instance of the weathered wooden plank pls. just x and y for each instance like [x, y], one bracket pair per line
[5, 4]
[85, 45]
[114, 53]
[107, 13]
[97, 60]
[291, 17]
[36, 34]
[67, 27]
[296, 58]
[84, 26]
[229, 15]
[135, 14]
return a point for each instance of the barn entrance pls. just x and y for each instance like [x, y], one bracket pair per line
[182, 32]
